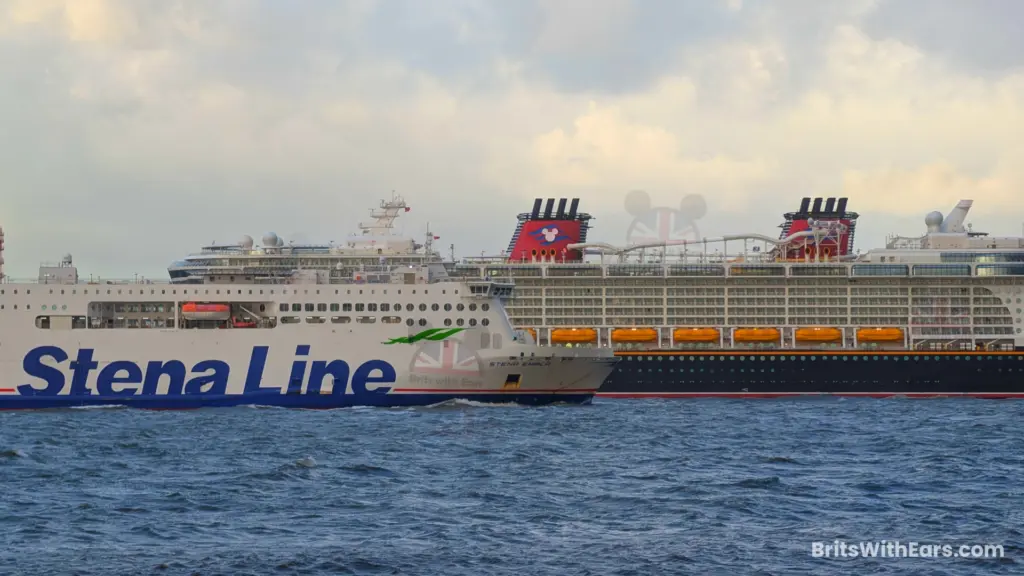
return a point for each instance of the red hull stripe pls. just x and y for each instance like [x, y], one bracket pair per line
[995, 395]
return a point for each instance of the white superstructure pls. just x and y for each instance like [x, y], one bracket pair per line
[374, 250]
[949, 289]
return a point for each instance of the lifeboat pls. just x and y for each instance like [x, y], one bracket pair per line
[695, 335]
[634, 335]
[880, 335]
[818, 334]
[755, 335]
[573, 335]
[198, 311]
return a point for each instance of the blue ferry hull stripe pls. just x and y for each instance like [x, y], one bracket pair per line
[312, 401]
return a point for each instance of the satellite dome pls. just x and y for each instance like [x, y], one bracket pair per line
[246, 242]
[270, 239]
[933, 220]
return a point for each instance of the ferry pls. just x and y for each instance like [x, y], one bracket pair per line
[406, 335]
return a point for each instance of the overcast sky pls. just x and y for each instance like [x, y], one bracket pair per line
[132, 132]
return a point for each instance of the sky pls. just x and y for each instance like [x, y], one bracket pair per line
[136, 131]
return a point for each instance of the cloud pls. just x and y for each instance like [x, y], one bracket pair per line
[136, 131]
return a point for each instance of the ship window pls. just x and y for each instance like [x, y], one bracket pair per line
[315, 319]
[423, 307]
[289, 319]
[447, 307]
[391, 320]
[472, 307]
[309, 307]
[447, 321]
[410, 322]
[340, 319]
[346, 307]
[366, 319]
[423, 322]
[485, 307]
[472, 321]
[460, 322]
[385, 307]
[296, 307]
[434, 307]
[321, 307]
[485, 322]
[460, 307]
[409, 307]
[371, 307]
[335, 307]
[360, 307]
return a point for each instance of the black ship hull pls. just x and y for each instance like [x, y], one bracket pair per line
[777, 373]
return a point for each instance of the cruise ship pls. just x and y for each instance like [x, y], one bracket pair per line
[751, 315]
[404, 335]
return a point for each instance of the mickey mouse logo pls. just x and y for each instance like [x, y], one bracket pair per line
[548, 236]
[663, 224]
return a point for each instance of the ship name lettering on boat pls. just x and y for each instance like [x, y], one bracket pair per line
[206, 377]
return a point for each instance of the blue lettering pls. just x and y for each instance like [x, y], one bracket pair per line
[127, 378]
[34, 367]
[298, 370]
[337, 369]
[362, 377]
[218, 381]
[257, 362]
[175, 372]
[80, 369]
[108, 377]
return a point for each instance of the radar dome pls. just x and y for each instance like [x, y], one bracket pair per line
[270, 239]
[246, 242]
[933, 220]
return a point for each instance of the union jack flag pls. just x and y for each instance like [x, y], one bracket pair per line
[447, 357]
[661, 225]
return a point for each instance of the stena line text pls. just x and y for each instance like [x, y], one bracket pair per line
[207, 377]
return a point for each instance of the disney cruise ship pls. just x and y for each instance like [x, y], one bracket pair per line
[745, 315]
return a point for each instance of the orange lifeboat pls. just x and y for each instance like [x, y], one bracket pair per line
[200, 311]
[573, 335]
[634, 335]
[819, 334]
[880, 335]
[695, 335]
[755, 335]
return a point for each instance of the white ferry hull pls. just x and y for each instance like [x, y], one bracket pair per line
[181, 369]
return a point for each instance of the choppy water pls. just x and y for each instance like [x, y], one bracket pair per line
[616, 488]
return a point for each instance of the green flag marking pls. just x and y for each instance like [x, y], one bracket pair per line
[434, 334]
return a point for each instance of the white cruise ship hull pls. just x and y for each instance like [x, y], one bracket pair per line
[176, 369]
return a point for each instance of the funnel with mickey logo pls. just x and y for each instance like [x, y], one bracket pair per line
[652, 225]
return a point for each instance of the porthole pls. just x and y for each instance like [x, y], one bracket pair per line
[410, 322]
[423, 307]
[472, 321]
[460, 322]
[447, 307]
[460, 307]
[485, 322]
[485, 307]
[423, 322]
[472, 307]
[435, 307]
[409, 307]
